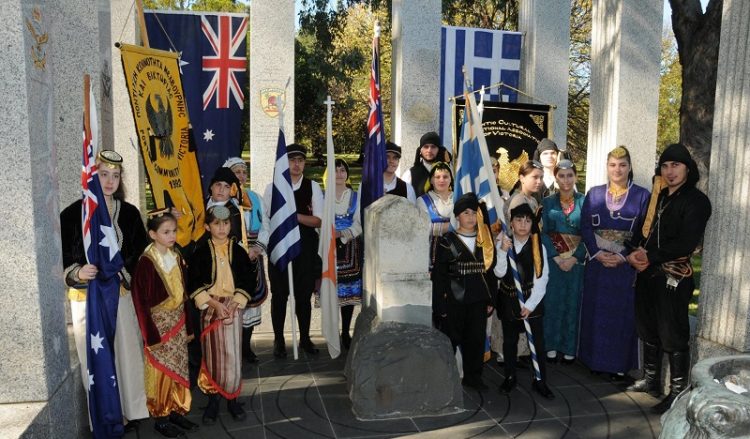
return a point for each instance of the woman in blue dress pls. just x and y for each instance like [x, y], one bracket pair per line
[437, 201]
[348, 248]
[611, 214]
[566, 255]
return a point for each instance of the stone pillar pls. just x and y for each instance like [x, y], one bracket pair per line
[625, 59]
[724, 309]
[73, 42]
[271, 65]
[38, 387]
[123, 138]
[415, 74]
[546, 51]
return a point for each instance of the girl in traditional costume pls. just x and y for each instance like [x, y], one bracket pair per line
[221, 279]
[159, 297]
[131, 239]
[252, 208]
[348, 248]
[611, 213]
[562, 239]
[437, 202]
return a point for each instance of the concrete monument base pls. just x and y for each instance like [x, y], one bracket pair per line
[386, 367]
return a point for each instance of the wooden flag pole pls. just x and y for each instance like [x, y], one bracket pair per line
[86, 105]
[142, 23]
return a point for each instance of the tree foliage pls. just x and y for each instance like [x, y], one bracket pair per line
[670, 94]
[197, 5]
[579, 89]
[486, 14]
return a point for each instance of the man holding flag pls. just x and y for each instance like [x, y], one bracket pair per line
[292, 207]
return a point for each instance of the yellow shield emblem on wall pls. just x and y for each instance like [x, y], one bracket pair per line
[272, 100]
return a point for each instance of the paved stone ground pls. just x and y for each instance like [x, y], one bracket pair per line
[307, 399]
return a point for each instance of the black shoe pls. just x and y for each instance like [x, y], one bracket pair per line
[476, 383]
[183, 422]
[622, 379]
[552, 360]
[346, 340]
[308, 346]
[567, 362]
[236, 410]
[279, 348]
[212, 410]
[541, 388]
[651, 381]
[509, 384]
[167, 429]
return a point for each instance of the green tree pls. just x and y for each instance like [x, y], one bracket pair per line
[197, 5]
[486, 14]
[670, 94]
[579, 89]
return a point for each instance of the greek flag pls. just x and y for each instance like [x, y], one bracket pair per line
[284, 243]
[473, 166]
[490, 56]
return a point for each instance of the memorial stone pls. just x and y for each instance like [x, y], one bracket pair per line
[394, 341]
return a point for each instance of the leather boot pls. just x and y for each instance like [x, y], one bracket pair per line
[651, 381]
[212, 410]
[679, 368]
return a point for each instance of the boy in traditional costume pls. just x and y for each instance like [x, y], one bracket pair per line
[463, 286]
[159, 298]
[221, 278]
[533, 273]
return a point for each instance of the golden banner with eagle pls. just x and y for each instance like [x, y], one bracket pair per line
[161, 120]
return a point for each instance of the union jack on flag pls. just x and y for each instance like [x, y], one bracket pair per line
[224, 63]
[213, 67]
[375, 162]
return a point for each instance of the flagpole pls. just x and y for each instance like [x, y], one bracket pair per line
[142, 24]
[86, 104]
[292, 308]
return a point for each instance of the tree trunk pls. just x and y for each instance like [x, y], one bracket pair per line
[697, 35]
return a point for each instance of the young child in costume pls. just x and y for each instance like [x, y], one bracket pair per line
[463, 286]
[221, 278]
[530, 257]
[159, 298]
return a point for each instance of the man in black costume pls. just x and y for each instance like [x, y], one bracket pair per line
[428, 153]
[673, 228]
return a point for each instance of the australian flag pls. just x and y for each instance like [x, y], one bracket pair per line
[490, 56]
[375, 161]
[102, 297]
[213, 66]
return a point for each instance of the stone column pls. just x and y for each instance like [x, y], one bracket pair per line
[546, 49]
[38, 387]
[271, 65]
[120, 28]
[625, 57]
[415, 70]
[724, 309]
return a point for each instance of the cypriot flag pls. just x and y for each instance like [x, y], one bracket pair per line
[329, 302]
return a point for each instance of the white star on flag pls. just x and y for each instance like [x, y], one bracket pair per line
[109, 240]
[96, 342]
[114, 381]
[208, 135]
[91, 380]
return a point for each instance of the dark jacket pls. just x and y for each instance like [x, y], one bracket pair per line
[460, 273]
[202, 270]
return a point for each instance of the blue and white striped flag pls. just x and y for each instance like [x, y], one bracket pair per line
[473, 165]
[490, 56]
[284, 244]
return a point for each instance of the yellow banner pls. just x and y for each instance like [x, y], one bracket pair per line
[161, 120]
